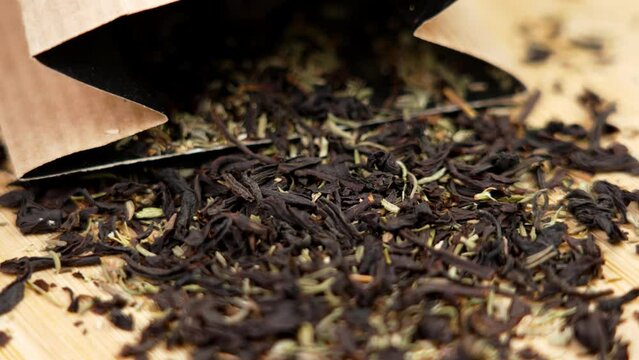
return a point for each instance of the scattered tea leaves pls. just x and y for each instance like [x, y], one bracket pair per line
[4, 339]
[13, 293]
[121, 320]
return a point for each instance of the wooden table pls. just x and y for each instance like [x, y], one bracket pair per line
[40, 329]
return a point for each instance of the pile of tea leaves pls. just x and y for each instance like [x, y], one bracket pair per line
[431, 237]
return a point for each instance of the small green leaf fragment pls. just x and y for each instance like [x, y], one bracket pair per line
[436, 176]
[390, 207]
[149, 213]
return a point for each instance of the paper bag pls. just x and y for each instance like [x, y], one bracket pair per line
[45, 115]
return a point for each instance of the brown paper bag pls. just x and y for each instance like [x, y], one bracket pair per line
[45, 115]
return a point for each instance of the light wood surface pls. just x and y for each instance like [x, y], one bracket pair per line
[501, 31]
[40, 329]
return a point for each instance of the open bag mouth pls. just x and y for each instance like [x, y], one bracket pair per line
[172, 59]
